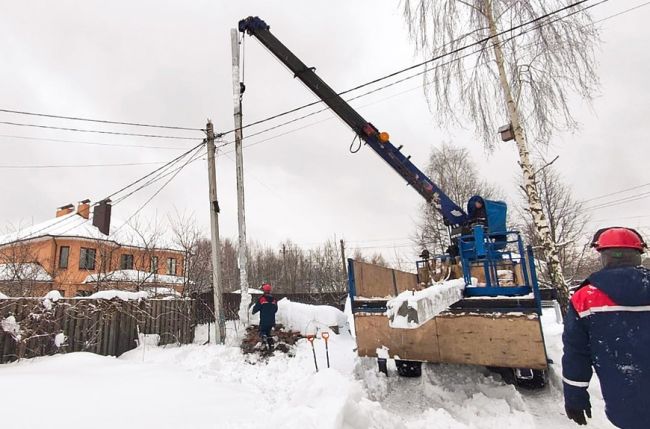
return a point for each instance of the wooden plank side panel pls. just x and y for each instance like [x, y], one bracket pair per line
[506, 341]
[405, 281]
[373, 332]
[372, 281]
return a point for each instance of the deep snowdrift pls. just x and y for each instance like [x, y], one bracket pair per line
[212, 387]
[306, 318]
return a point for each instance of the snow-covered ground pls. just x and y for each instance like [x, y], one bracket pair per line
[212, 386]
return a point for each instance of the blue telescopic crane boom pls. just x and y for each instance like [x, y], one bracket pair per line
[379, 142]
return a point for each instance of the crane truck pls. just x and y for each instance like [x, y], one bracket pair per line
[496, 323]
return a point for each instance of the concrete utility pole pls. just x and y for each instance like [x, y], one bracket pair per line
[220, 320]
[237, 89]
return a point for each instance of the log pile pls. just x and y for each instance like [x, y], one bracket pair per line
[284, 342]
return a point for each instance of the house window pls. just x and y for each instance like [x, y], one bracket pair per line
[171, 266]
[126, 262]
[87, 258]
[154, 264]
[64, 254]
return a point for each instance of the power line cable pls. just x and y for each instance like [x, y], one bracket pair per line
[423, 63]
[618, 202]
[44, 166]
[639, 6]
[615, 192]
[101, 121]
[160, 176]
[43, 139]
[81, 221]
[400, 93]
[164, 185]
[135, 182]
[116, 202]
[80, 130]
[411, 76]
[155, 171]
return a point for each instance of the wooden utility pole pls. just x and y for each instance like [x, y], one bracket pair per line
[239, 161]
[345, 265]
[220, 321]
[283, 273]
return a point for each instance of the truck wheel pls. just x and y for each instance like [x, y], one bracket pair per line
[524, 378]
[382, 365]
[536, 380]
[408, 368]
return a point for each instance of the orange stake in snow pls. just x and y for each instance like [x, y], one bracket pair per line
[310, 338]
[326, 336]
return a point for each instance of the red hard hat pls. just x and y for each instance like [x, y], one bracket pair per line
[617, 237]
[266, 287]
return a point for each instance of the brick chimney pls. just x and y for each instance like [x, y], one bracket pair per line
[64, 210]
[83, 209]
[102, 216]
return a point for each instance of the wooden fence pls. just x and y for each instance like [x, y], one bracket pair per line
[31, 327]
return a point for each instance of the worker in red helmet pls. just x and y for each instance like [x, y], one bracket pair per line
[267, 306]
[607, 328]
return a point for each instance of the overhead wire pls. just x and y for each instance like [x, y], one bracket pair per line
[160, 176]
[44, 166]
[124, 188]
[406, 78]
[155, 171]
[620, 201]
[82, 130]
[127, 145]
[275, 116]
[423, 63]
[160, 189]
[101, 121]
[616, 192]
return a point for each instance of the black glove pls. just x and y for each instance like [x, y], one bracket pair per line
[578, 416]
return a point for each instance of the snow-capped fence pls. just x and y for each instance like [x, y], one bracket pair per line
[31, 327]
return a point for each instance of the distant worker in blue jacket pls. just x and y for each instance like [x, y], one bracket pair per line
[267, 306]
[607, 328]
[476, 210]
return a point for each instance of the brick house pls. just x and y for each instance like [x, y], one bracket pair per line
[70, 254]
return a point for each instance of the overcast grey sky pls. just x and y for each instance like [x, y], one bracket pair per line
[169, 63]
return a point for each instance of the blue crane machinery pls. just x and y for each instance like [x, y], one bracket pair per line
[483, 249]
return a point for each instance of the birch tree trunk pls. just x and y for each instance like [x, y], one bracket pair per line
[539, 219]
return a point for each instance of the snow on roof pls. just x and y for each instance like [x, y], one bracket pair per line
[134, 276]
[24, 271]
[3, 296]
[74, 225]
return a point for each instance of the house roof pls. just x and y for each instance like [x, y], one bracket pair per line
[134, 276]
[75, 226]
[24, 271]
